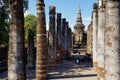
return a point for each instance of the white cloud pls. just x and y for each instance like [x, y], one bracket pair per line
[86, 21]
[47, 26]
[26, 13]
[86, 18]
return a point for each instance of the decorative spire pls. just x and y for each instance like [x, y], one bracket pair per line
[79, 19]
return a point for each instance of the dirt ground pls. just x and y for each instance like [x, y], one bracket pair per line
[68, 70]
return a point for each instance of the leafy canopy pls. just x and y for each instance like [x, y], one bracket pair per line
[30, 23]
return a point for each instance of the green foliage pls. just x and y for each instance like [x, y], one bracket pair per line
[30, 23]
[3, 25]
[25, 4]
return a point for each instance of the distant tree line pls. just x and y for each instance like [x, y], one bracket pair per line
[30, 24]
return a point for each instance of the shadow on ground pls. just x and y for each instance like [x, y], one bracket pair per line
[70, 70]
[66, 70]
[70, 76]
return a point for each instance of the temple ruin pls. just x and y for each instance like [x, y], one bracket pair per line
[79, 34]
[59, 44]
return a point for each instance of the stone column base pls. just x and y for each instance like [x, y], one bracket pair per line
[59, 58]
[95, 65]
[52, 63]
[101, 72]
[65, 54]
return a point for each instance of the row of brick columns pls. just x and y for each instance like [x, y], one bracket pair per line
[51, 48]
[59, 38]
[105, 44]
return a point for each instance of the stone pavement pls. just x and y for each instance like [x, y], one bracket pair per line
[67, 70]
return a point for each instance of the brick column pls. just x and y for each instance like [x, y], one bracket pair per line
[95, 20]
[16, 54]
[100, 41]
[30, 50]
[89, 39]
[42, 48]
[66, 38]
[59, 38]
[112, 40]
[52, 38]
[63, 37]
[69, 40]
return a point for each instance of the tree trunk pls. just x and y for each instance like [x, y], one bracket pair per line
[16, 54]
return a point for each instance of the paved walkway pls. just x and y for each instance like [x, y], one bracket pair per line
[67, 70]
[71, 71]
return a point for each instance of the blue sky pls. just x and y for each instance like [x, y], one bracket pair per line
[68, 8]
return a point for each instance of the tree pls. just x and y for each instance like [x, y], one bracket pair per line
[30, 23]
[4, 19]
[3, 24]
